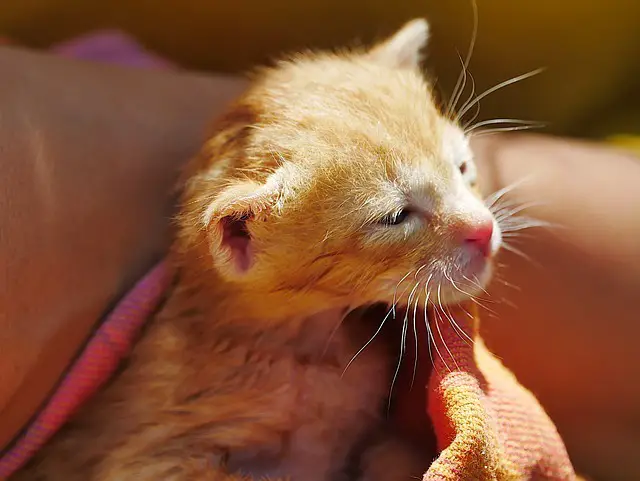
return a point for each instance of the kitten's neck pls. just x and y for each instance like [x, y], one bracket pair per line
[207, 305]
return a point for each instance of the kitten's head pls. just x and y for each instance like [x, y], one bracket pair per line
[337, 177]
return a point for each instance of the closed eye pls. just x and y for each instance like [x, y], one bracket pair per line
[396, 218]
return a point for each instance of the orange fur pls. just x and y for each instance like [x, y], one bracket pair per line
[241, 373]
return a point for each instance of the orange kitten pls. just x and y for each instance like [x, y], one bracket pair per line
[329, 183]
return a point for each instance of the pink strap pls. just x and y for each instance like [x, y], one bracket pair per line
[99, 359]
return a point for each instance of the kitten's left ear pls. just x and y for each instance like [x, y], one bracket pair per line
[227, 219]
[404, 48]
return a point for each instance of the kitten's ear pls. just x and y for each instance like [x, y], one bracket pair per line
[228, 217]
[404, 48]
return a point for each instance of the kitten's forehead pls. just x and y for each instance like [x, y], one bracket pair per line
[337, 92]
[366, 122]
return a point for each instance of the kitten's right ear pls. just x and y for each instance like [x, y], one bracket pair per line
[404, 48]
[228, 218]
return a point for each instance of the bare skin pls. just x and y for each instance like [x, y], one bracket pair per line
[72, 135]
[46, 135]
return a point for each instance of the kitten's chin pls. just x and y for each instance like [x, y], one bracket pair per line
[467, 287]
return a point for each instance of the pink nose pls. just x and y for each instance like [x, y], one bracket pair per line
[479, 236]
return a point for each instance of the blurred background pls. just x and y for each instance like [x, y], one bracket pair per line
[591, 48]
[590, 88]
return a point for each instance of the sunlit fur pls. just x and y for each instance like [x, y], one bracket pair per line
[251, 366]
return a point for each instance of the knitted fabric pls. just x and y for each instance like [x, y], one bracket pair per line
[487, 425]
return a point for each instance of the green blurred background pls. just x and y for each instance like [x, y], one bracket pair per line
[591, 48]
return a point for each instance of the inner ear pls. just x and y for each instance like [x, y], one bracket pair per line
[237, 239]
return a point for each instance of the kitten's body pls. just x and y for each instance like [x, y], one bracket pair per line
[272, 404]
[283, 231]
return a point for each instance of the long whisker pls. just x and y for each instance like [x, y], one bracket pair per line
[368, 342]
[484, 133]
[504, 213]
[504, 203]
[517, 251]
[509, 226]
[465, 65]
[484, 123]
[430, 336]
[465, 293]
[475, 283]
[449, 316]
[393, 305]
[499, 86]
[508, 284]
[476, 301]
[477, 112]
[403, 339]
[437, 311]
[419, 269]
[465, 337]
[458, 89]
[475, 298]
[440, 332]
[331, 335]
[524, 220]
[395, 375]
[498, 194]
[391, 311]
[426, 320]
[415, 337]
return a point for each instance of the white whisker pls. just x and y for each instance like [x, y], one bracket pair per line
[440, 332]
[508, 284]
[331, 335]
[444, 343]
[430, 337]
[457, 90]
[529, 123]
[448, 314]
[498, 194]
[477, 112]
[415, 337]
[403, 339]
[476, 301]
[475, 282]
[499, 86]
[454, 324]
[368, 342]
[465, 65]
[391, 311]
[467, 294]
[505, 213]
[497, 130]
[465, 337]
[393, 304]
[521, 223]
[517, 251]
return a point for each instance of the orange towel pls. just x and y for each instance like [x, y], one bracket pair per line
[488, 427]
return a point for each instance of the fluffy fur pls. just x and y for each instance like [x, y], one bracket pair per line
[329, 182]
